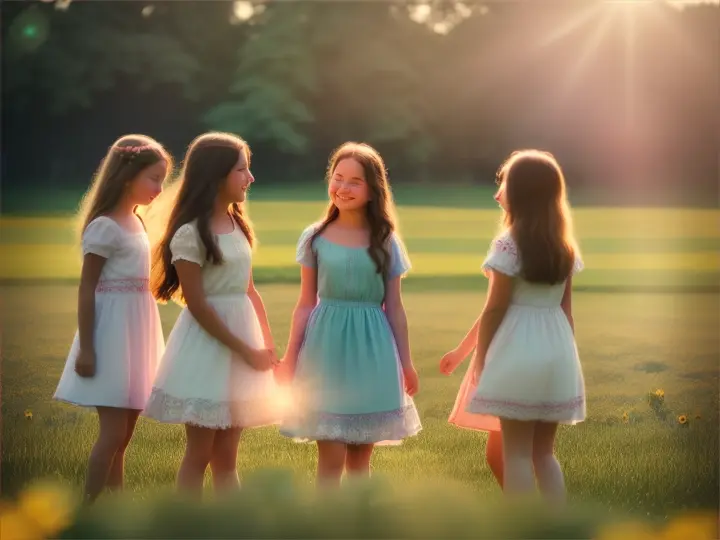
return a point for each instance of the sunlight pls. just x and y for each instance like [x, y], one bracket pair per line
[243, 10]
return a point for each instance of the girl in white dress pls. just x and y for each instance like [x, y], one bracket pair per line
[216, 374]
[119, 341]
[526, 369]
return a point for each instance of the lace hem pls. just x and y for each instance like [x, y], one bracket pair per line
[572, 410]
[369, 428]
[209, 413]
[128, 285]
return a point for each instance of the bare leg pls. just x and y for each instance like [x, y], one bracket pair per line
[357, 459]
[224, 460]
[517, 440]
[494, 455]
[198, 453]
[116, 477]
[547, 469]
[331, 462]
[113, 432]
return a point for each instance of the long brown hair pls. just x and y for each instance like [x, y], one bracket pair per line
[380, 209]
[538, 215]
[124, 161]
[210, 158]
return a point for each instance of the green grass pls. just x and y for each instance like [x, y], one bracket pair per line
[661, 332]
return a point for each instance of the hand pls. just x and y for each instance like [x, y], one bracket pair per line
[85, 363]
[285, 370]
[261, 359]
[411, 380]
[450, 362]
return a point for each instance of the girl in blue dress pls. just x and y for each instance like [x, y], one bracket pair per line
[348, 356]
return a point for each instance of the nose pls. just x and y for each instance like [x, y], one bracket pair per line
[497, 197]
[251, 178]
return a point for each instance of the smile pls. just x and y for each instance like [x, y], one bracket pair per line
[344, 198]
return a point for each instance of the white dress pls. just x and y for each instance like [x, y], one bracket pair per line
[532, 369]
[200, 381]
[128, 334]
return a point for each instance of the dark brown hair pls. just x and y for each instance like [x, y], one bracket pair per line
[124, 161]
[538, 215]
[380, 209]
[210, 158]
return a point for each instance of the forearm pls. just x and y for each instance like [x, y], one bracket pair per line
[209, 320]
[86, 318]
[300, 318]
[261, 313]
[489, 323]
[470, 341]
[399, 326]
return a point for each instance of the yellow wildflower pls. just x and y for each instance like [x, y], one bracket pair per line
[625, 417]
[660, 393]
[627, 531]
[28, 414]
[698, 526]
[48, 506]
[15, 525]
[682, 419]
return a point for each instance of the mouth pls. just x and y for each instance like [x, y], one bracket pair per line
[344, 199]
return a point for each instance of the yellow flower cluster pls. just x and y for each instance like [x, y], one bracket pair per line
[695, 526]
[42, 511]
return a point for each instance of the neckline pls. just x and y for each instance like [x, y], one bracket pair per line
[232, 220]
[364, 248]
[123, 229]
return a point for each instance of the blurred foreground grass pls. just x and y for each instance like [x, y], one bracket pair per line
[272, 505]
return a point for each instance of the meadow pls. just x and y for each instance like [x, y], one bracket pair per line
[646, 312]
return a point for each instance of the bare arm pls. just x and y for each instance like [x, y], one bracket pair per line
[397, 318]
[566, 303]
[496, 305]
[191, 282]
[259, 307]
[306, 303]
[470, 340]
[91, 270]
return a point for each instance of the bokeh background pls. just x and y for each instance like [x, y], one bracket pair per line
[625, 93]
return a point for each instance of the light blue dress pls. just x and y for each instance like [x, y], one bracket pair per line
[348, 383]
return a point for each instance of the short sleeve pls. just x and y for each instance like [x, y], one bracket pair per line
[304, 253]
[502, 257]
[186, 245]
[399, 259]
[101, 237]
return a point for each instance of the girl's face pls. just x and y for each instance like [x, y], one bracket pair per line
[148, 184]
[501, 197]
[239, 180]
[348, 189]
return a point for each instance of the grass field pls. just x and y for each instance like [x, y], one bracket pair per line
[646, 313]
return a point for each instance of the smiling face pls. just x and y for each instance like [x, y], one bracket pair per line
[239, 180]
[348, 189]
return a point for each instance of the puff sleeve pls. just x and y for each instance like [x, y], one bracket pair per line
[304, 253]
[399, 259]
[101, 237]
[502, 257]
[187, 246]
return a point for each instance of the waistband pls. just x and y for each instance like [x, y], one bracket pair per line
[348, 303]
[123, 286]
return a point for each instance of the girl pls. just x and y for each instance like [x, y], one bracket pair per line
[531, 374]
[119, 339]
[215, 374]
[348, 347]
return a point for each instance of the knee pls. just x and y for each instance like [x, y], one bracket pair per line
[111, 442]
[542, 457]
[198, 456]
[223, 460]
